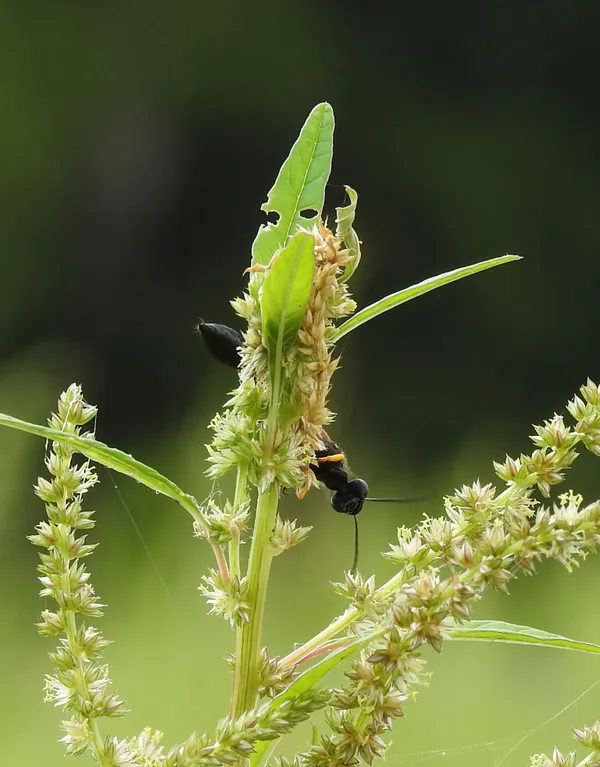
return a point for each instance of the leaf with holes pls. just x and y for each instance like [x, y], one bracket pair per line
[344, 220]
[300, 185]
[284, 299]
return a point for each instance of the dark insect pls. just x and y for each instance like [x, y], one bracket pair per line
[349, 494]
[222, 342]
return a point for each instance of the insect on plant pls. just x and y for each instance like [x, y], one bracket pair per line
[297, 305]
[348, 493]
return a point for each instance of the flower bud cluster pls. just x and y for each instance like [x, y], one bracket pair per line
[286, 535]
[379, 684]
[274, 677]
[80, 684]
[570, 522]
[485, 539]
[239, 438]
[558, 759]
[362, 594]
[222, 525]
[144, 750]
[588, 737]
[446, 564]
[227, 596]
[235, 738]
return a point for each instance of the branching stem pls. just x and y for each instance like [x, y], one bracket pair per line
[221, 561]
[95, 741]
[248, 635]
[241, 495]
[312, 647]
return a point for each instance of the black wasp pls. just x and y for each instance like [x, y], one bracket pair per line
[349, 494]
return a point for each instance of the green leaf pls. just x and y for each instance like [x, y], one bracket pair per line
[402, 296]
[110, 457]
[308, 680]
[285, 295]
[483, 631]
[499, 631]
[344, 220]
[300, 185]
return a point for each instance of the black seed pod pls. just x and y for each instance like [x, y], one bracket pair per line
[222, 342]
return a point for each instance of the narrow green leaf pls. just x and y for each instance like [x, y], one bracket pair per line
[344, 220]
[485, 631]
[402, 296]
[285, 295]
[110, 457]
[300, 185]
[499, 631]
[307, 681]
[309, 678]
[345, 215]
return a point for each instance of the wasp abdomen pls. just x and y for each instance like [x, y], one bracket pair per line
[222, 342]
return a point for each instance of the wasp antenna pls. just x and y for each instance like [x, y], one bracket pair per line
[406, 499]
[355, 560]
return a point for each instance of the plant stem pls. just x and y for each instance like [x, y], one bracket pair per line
[352, 614]
[328, 633]
[313, 645]
[221, 561]
[95, 740]
[241, 494]
[248, 634]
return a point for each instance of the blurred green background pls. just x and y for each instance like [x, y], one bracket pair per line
[137, 143]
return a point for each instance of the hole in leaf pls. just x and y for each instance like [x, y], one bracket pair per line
[273, 217]
[309, 213]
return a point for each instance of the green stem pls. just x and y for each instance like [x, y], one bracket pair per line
[248, 634]
[241, 495]
[96, 742]
[341, 623]
[353, 614]
[221, 561]
[328, 633]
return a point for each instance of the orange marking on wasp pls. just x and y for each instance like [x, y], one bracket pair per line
[334, 458]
